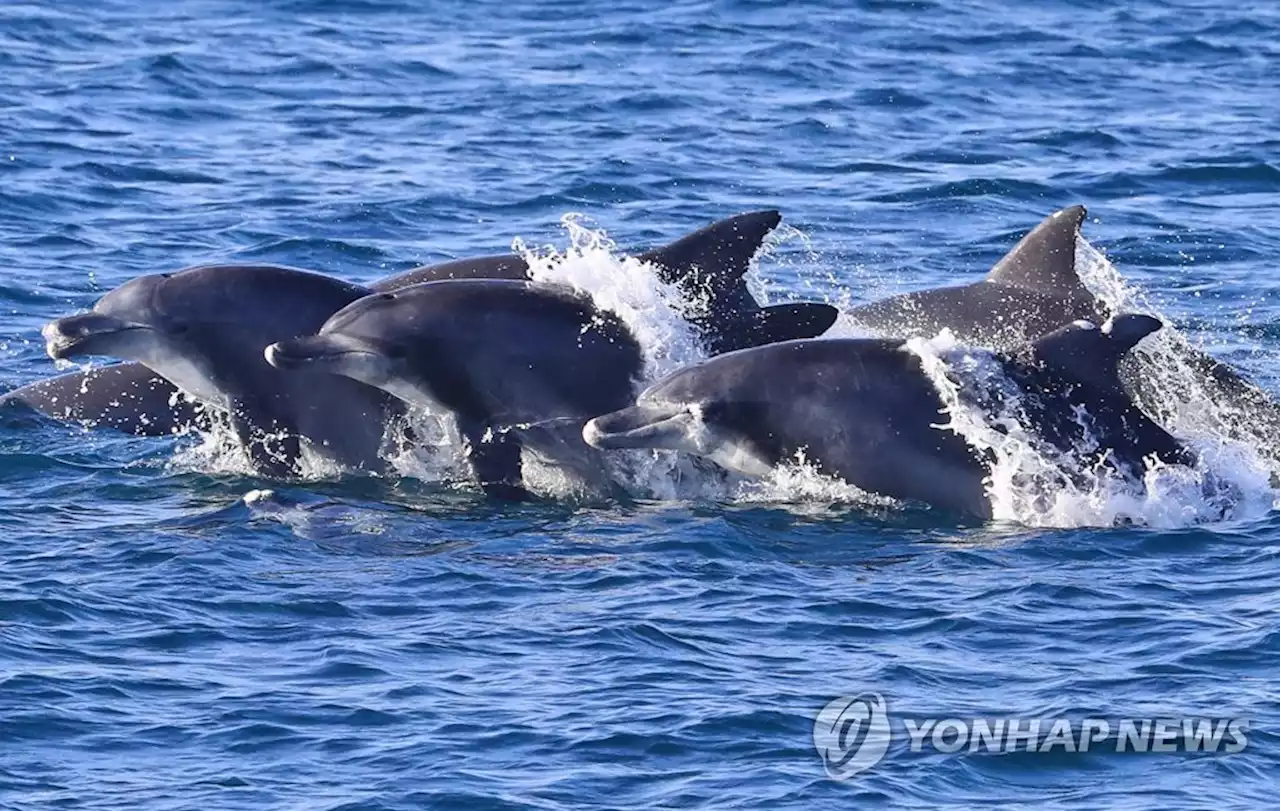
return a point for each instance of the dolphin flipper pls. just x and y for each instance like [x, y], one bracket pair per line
[128, 397]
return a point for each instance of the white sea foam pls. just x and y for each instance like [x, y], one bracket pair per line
[1034, 483]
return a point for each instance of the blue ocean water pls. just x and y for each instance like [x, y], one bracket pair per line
[354, 643]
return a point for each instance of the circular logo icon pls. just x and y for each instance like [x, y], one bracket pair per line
[851, 734]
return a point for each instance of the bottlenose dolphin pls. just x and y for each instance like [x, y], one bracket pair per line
[708, 267]
[128, 397]
[866, 411]
[518, 365]
[1032, 291]
[203, 330]
[1035, 289]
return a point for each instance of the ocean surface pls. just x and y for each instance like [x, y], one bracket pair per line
[176, 633]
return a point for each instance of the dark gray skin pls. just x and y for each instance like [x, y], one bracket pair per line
[708, 267]
[517, 364]
[865, 411]
[1034, 290]
[203, 329]
[708, 264]
[1031, 292]
[126, 397]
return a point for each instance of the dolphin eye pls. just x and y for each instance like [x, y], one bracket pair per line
[395, 352]
[178, 329]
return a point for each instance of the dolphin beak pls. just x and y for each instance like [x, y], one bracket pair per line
[83, 334]
[320, 353]
[641, 426]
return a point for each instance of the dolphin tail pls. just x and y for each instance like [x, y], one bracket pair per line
[1044, 259]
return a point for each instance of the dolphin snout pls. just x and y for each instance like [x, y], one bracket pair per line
[640, 426]
[334, 354]
[84, 334]
[293, 353]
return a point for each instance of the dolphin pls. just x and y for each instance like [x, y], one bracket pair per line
[866, 411]
[128, 397]
[1034, 290]
[517, 364]
[1030, 292]
[203, 330]
[708, 267]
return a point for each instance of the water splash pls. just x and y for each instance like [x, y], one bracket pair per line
[624, 285]
[798, 481]
[219, 451]
[1035, 484]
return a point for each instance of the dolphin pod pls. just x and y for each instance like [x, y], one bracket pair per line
[195, 340]
[292, 360]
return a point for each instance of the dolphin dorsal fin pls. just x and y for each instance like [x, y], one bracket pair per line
[1045, 259]
[716, 256]
[1089, 354]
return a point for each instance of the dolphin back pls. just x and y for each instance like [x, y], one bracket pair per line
[128, 397]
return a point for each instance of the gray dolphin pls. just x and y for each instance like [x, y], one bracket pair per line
[203, 330]
[518, 364]
[1030, 292]
[864, 410]
[128, 397]
[708, 266]
[709, 269]
[1035, 289]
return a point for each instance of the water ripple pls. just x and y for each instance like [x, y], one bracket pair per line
[379, 644]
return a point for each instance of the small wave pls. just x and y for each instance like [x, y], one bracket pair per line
[981, 187]
[1242, 176]
[891, 97]
[142, 174]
